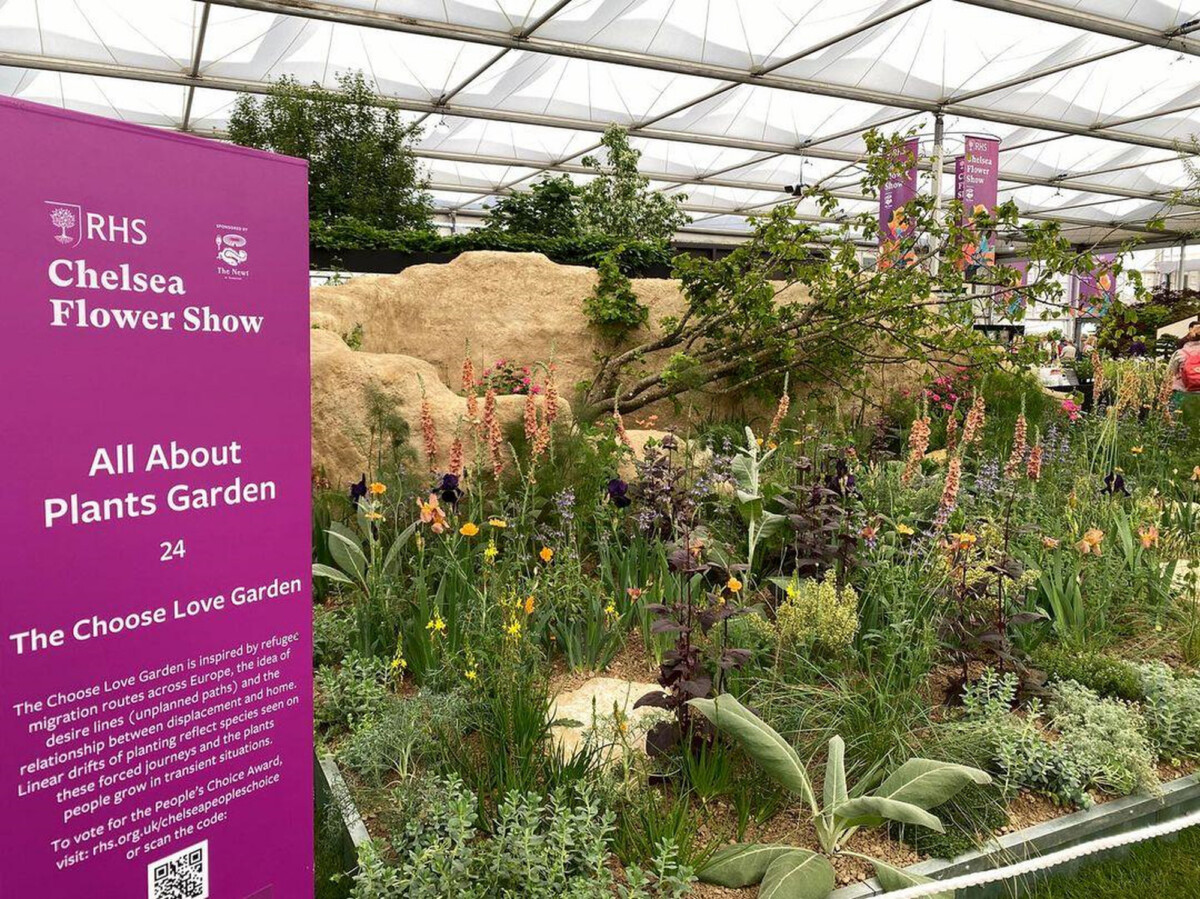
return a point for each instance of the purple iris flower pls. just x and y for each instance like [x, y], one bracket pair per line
[618, 492]
[448, 491]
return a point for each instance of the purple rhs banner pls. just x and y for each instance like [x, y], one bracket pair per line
[898, 190]
[1095, 291]
[976, 179]
[155, 558]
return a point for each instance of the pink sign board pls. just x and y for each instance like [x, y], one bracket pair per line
[900, 189]
[976, 185]
[156, 736]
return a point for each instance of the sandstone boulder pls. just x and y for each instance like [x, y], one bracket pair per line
[518, 306]
[601, 707]
[346, 383]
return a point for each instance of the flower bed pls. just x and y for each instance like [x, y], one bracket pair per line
[858, 654]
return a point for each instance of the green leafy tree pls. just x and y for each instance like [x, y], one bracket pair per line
[619, 203]
[360, 156]
[612, 306]
[549, 209]
[797, 298]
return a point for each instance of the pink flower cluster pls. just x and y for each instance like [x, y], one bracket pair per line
[1072, 409]
[946, 390]
[507, 378]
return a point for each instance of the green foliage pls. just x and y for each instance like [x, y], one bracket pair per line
[906, 795]
[1172, 711]
[619, 203]
[1125, 324]
[352, 693]
[1107, 737]
[612, 306]
[548, 209]
[1102, 742]
[345, 234]
[1021, 753]
[1106, 675]
[817, 613]
[552, 848]
[401, 735]
[360, 156]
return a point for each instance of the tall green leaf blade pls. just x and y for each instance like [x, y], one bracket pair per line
[327, 571]
[741, 865]
[895, 879]
[926, 783]
[347, 552]
[391, 562]
[870, 811]
[760, 741]
[800, 874]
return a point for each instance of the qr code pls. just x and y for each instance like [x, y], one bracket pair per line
[183, 875]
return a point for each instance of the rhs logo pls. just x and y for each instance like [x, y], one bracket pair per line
[67, 219]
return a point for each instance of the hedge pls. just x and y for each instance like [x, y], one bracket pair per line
[343, 235]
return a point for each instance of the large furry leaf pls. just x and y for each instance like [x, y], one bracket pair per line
[871, 811]
[742, 865]
[760, 741]
[800, 874]
[895, 879]
[926, 783]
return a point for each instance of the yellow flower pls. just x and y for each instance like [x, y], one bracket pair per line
[514, 629]
[491, 552]
[399, 664]
[436, 626]
[546, 554]
[611, 609]
[733, 585]
[772, 445]
[471, 674]
[963, 541]
[497, 522]
[374, 516]
[377, 489]
[1136, 450]
[470, 529]
[529, 604]
[904, 530]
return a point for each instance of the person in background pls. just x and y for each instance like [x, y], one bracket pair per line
[1184, 367]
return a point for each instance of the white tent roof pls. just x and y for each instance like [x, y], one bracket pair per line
[729, 100]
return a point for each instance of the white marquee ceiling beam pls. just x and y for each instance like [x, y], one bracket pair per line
[477, 194]
[110, 70]
[390, 21]
[197, 56]
[1175, 39]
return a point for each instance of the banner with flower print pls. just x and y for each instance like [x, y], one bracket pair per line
[976, 185]
[1014, 301]
[1096, 290]
[894, 225]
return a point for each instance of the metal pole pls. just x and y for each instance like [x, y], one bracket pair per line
[1180, 273]
[939, 162]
